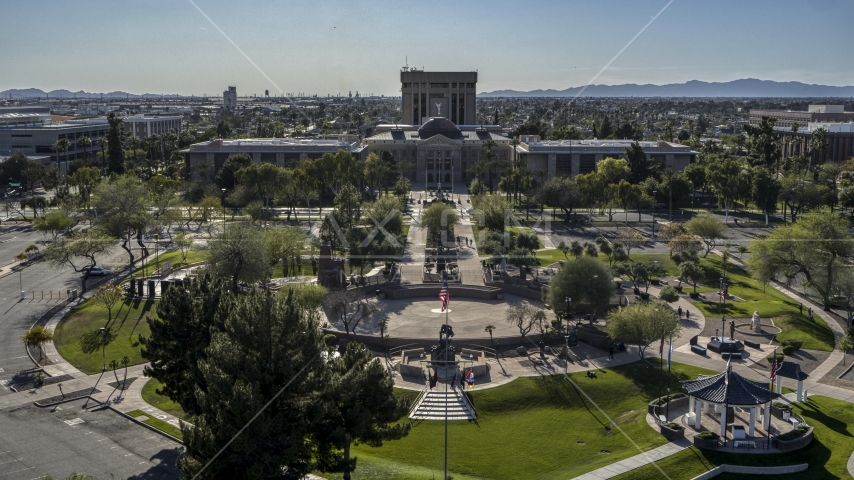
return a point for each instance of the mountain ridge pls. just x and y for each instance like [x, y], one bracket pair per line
[745, 87]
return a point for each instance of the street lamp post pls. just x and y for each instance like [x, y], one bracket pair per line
[653, 212]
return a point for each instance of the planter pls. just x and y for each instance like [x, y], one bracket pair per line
[675, 403]
[678, 288]
[694, 295]
[795, 444]
[619, 285]
[708, 444]
[672, 434]
[781, 413]
[644, 296]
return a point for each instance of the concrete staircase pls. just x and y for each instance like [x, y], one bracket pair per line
[433, 405]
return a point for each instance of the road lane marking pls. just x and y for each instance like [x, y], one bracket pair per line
[74, 421]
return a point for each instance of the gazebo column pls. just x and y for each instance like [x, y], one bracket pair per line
[752, 420]
[723, 420]
[766, 417]
[800, 390]
[698, 415]
[692, 405]
[779, 386]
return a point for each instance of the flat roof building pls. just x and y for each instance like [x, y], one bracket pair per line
[840, 142]
[814, 113]
[142, 126]
[438, 94]
[280, 151]
[37, 139]
[229, 98]
[573, 157]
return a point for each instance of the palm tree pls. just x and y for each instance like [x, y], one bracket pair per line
[102, 144]
[114, 365]
[125, 363]
[488, 329]
[62, 145]
[489, 159]
[36, 337]
[84, 142]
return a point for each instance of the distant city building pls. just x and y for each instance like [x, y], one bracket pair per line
[37, 139]
[814, 113]
[142, 126]
[840, 142]
[229, 98]
[438, 94]
[438, 150]
[283, 152]
[573, 157]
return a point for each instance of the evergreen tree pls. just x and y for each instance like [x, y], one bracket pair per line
[363, 408]
[180, 334]
[269, 348]
[114, 145]
[638, 163]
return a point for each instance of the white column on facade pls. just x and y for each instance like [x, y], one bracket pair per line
[723, 420]
[800, 390]
[766, 420]
[752, 420]
[698, 414]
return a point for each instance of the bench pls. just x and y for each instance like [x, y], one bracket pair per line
[744, 443]
[795, 421]
[731, 355]
[698, 349]
[662, 420]
[751, 343]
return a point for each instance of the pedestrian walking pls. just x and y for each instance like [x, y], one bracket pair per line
[800, 308]
[679, 311]
[687, 314]
[809, 313]
[611, 353]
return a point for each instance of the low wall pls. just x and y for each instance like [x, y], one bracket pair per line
[517, 290]
[655, 410]
[794, 444]
[726, 468]
[465, 291]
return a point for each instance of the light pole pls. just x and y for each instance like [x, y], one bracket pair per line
[103, 347]
[653, 212]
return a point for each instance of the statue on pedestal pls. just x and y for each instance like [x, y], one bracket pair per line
[732, 330]
[757, 322]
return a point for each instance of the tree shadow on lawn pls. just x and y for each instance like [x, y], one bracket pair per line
[811, 412]
[90, 341]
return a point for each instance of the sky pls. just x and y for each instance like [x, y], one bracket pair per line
[339, 46]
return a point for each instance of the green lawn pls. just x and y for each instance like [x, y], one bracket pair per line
[767, 300]
[548, 257]
[158, 424]
[78, 339]
[827, 455]
[532, 428]
[151, 397]
[193, 256]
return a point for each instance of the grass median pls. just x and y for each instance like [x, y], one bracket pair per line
[78, 338]
[164, 427]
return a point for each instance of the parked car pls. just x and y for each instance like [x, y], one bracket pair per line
[98, 271]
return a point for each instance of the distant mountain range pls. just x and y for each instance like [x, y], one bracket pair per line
[36, 92]
[747, 87]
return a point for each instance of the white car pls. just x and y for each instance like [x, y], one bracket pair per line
[95, 271]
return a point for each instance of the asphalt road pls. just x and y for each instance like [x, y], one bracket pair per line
[58, 442]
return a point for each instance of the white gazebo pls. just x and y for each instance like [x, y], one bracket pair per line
[728, 389]
[791, 370]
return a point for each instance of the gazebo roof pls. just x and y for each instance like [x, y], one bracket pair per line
[730, 388]
[791, 370]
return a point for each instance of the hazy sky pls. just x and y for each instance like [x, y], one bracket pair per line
[168, 46]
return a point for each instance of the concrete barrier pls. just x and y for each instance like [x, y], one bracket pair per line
[464, 291]
[726, 468]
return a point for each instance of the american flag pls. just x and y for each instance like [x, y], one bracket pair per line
[444, 296]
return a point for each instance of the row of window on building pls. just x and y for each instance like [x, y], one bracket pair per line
[440, 85]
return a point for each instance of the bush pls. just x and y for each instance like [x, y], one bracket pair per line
[669, 294]
[678, 288]
[619, 284]
[694, 295]
[781, 405]
[666, 399]
[654, 281]
[674, 426]
[707, 435]
[644, 296]
[770, 358]
[797, 343]
[788, 350]
[330, 340]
